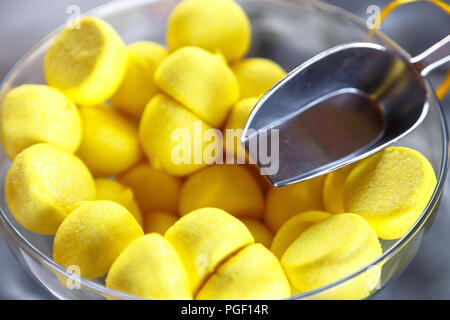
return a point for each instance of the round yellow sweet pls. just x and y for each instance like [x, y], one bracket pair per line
[286, 202]
[199, 81]
[37, 113]
[293, 228]
[390, 190]
[264, 184]
[333, 189]
[259, 231]
[231, 188]
[138, 87]
[115, 191]
[330, 250]
[159, 222]
[219, 55]
[154, 190]
[233, 128]
[256, 76]
[149, 268]
[93, 235]
[110, 142]
[87, 63]
[211, 24]
[203, 238]
[43, 185]
[168, 133]
[356, 288]
[253, 273]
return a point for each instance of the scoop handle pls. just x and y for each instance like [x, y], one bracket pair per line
[433, 57]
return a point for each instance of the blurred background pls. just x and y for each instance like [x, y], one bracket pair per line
[415, 27]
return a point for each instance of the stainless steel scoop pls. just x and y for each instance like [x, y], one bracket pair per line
[338, 107]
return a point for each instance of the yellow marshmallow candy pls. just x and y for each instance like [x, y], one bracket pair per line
[329, 251]
[200, 81]
[110, 142]
[293, 228]
[214, 25]
[231, 188]
[260, 178]
[87, 63]
[37, 113]
[259, 231]
[149, 268]
[233, 128]
[219, 55]
[169, 134]
[43, 185]
[253, 273]
[390, 190]
[333, 189]
[159, 222]
[154, 190]
[93, 235]
[203, 239]
[256, 76]
[138, 87]
[115, 191]
[284, 203]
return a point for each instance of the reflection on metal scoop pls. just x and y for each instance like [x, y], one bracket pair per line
[341, 106]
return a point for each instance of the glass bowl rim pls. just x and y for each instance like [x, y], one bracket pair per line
[102, 290]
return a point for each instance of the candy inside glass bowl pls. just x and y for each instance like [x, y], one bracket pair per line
[288, 32]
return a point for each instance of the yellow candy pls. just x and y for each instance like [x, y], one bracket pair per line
[357, 288]
[88, 63]
[93, 235]
[200, 82]
[259, 231]
[203, 239]
[110, 142]
[261, 179]
[211, 24]
[168, 133]
[228, 187]
[154, 190]
[36, 113]
[293, 228]
[284, 203]
[159, 222]
[138, 87]
[331, 250]
[253, 273]
[333, 189]
[221, 57]
[149, 268]
[115, 191]
[256, 76]
[390, 190]
[43, 185]
[237, 120]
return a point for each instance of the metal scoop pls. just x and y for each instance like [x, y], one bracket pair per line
[338, 107]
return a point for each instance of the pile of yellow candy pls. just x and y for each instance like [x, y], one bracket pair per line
[165, 230]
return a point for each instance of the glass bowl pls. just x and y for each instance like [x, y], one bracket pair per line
[288, 32]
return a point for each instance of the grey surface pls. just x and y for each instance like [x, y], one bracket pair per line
[24, 22]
